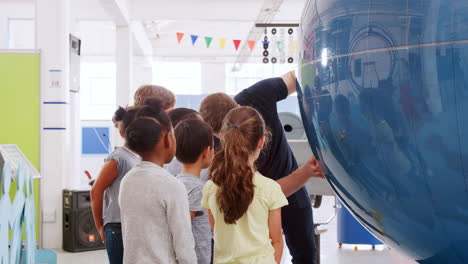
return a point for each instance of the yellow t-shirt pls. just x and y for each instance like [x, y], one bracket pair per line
[247, 241]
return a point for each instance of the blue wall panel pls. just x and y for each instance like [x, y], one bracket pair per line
[95, 140]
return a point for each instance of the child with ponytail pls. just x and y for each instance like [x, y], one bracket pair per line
[244, 207]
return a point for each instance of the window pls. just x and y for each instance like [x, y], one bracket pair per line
[254, 72]
[251, 73]
[21, 33]
[182, 78]
[98, 92]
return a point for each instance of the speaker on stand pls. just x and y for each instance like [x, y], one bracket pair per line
[79, 230]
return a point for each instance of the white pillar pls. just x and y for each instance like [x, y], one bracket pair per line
[124, 65]
[142, 74]
[3, 30]
[213, 77]
[52, 36]
[76, 178]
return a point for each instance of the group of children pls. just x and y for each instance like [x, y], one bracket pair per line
[207, 205]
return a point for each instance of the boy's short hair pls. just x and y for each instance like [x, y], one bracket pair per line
[214, 108]
[193, 136]
[180, 114]
[166, 97]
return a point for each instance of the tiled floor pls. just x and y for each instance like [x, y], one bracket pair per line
[330, 253]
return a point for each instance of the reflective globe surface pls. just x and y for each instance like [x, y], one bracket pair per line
[383, 92]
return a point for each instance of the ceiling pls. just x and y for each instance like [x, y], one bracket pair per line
[212, 18]
[205, 18]
[230, 19]
[211, 10]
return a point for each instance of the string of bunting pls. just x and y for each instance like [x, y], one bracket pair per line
[222, 42]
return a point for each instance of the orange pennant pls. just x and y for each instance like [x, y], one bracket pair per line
[179, 36]
[236, 43]
[222, 43]
[251, 44]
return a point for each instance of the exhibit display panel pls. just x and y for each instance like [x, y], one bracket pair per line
[384, 96]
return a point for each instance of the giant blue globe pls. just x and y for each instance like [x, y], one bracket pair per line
[383, 90]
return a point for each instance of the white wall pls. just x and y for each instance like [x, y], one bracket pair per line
[15, 10]
[98, 38]
[213, 77]
[142, 74]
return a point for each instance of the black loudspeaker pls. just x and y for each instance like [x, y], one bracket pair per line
[79, 231]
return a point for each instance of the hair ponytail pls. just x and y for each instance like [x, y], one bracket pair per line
[142, 134]
[232, 169]
[123, 117]
[119, 114]
[153, 108]
[147, 127]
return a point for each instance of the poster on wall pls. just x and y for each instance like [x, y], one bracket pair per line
[95, 141]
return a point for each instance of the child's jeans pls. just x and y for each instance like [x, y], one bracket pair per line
[114, 243]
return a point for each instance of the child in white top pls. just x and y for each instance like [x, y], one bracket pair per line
[155, 223]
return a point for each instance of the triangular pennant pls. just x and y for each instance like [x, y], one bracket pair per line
[251, 44]
[265, 42]
[222, 43]
[208, 41]
[294, 46]
[236, 43]
[194, 39]
[279, 44]
[179, 36]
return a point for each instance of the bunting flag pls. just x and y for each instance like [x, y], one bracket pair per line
[208, 41]
[236, 43]
[279, 44]
[251, 44]
[222, 43]
[194, 39]
[294, 46]
[179, 36]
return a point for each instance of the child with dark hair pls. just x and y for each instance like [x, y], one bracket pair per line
[178, 115]
[155, 224]
[195, 151]
[244, 207]
[105, 191]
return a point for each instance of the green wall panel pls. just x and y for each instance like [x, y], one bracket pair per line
[20, 109]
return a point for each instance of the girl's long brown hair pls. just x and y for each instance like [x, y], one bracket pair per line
[232, 169]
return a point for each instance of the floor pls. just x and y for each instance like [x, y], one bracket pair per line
[330, 252]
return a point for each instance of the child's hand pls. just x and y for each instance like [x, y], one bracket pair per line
[101, 233]
[312, 168]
